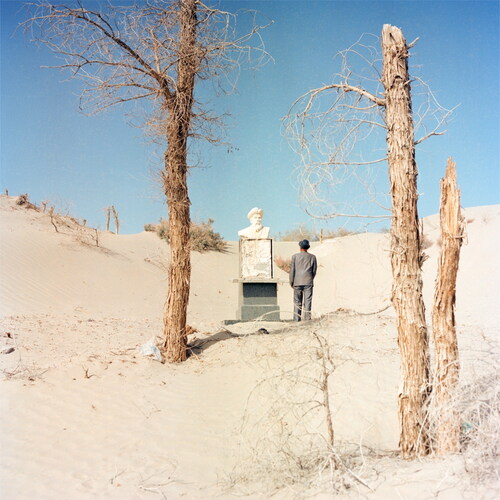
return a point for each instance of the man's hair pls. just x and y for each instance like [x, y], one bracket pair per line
[304, 244]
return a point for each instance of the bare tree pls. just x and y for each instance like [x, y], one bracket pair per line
[328, 125]
[156, 50]
[443, 315]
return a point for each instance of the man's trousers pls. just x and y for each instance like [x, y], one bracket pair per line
[302, 302]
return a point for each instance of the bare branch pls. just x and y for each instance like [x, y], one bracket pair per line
[337, 129]
[412, 44]
[334, 215]
[349, 88]
[357, 163]
[430, 134]
[121, 52]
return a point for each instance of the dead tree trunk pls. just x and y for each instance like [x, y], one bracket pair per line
[443, 315]
[115, 216]
[51, 214]
[108, 217]
[176, 189]
[405, 245]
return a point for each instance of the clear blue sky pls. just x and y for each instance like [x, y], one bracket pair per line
[83, 164]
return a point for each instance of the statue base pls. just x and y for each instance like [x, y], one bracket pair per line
[258, 300]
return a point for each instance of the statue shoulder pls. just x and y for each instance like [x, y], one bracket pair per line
[243, 233]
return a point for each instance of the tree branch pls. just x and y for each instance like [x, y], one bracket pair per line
[430, 134]
[344, 87]
[334, 215]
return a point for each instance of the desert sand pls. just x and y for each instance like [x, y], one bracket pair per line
[85, 415]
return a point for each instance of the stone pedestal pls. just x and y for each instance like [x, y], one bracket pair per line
[258, 290]
[258, 300]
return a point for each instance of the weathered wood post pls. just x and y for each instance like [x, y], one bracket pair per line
[447, 363]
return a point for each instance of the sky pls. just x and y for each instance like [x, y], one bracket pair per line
[82, 164]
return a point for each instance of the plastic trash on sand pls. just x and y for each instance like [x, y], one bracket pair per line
[151, 350]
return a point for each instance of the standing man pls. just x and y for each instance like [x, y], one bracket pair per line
[302, 272]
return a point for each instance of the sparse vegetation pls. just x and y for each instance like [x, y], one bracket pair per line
[202, 237]
[300, 233]
[85, 235]
[23, 200]
[304, 232]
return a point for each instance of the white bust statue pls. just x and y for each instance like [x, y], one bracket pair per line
[256, 230]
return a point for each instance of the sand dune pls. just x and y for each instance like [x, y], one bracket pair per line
[85, 415]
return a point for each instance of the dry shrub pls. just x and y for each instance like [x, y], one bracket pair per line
[283, 264]
[479, 405]
[202, 236]
[23, 201]
[300, 233]
[304, 232]
[286, 443]
[476, 408]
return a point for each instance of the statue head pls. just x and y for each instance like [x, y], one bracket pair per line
[255, 216]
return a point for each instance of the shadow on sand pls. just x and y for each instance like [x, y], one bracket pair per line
[199, 346]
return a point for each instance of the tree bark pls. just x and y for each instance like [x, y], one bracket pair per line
[176, 189]
[405, 245]
[447, 364]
